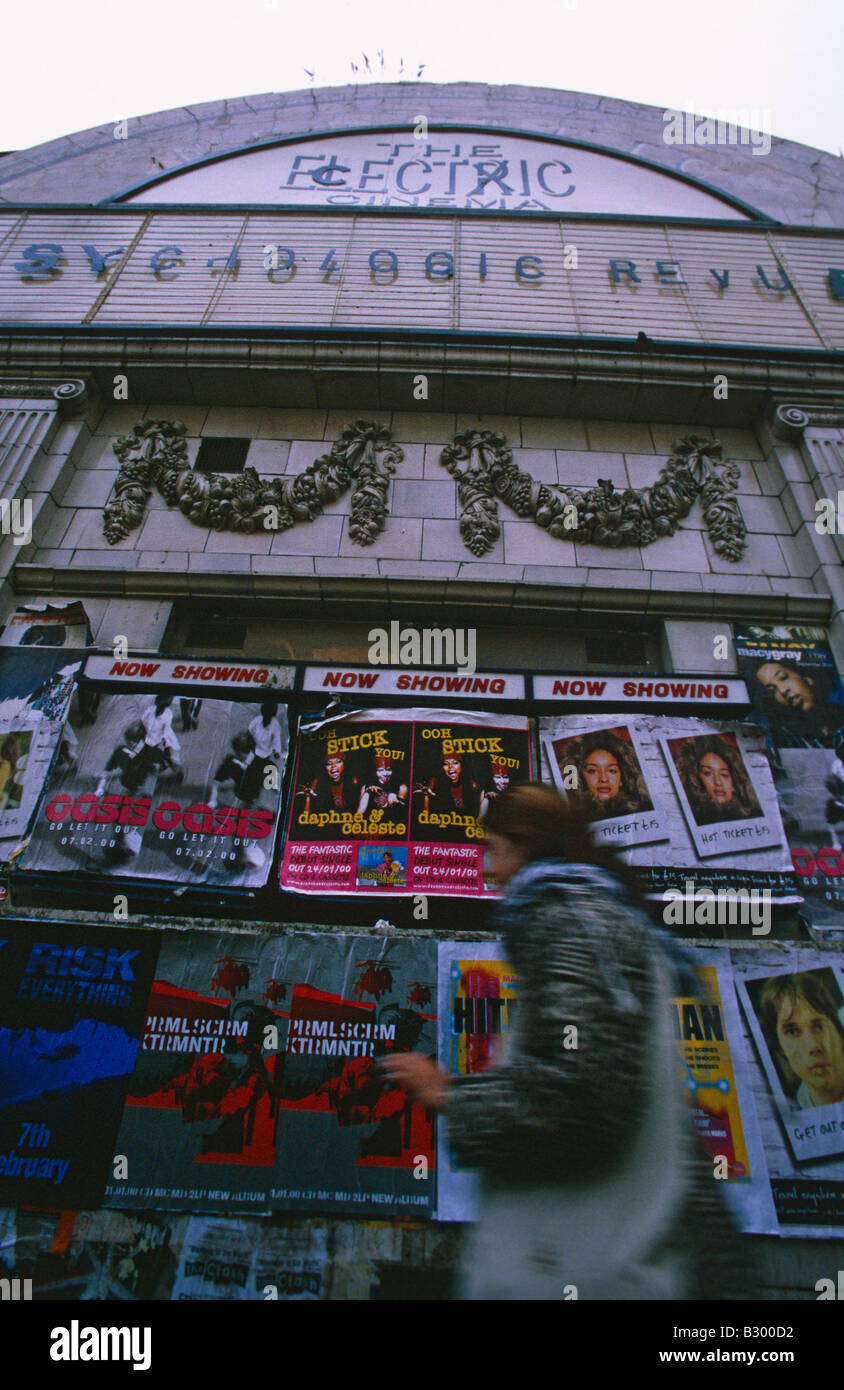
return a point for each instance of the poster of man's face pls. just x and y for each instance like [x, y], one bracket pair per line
[797, 1022]
[603, 768]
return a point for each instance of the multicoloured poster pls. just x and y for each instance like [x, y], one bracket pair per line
[795, 1017]
[714, 1072]
[387, 801]
[710, 787]
[72, 1005]
[798, 697]
[478, 1004]
[257, 1083]
[162, 787]
[477, 993]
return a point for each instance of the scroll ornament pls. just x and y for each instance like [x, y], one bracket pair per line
[155, 455]
[599, 515]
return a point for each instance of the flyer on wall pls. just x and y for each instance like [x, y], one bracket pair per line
[236, 1260]
[716, 1077]
[162, 787]
[257, 1084]
[72, 1005]
[478, 992]
[793, 684]
[609, 764]
[47, 625]
[795, 1017]
[686, 801]
[477, 1004]
[798, 697]
[35, 693]
[388, 801]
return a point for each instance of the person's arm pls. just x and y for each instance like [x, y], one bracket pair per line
[568, 1095]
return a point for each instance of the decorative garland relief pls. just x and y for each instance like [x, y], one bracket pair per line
[364, 458]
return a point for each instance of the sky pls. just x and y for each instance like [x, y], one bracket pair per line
[89, 62]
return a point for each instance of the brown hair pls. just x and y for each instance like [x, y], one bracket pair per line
[818, 988]
[546, 825]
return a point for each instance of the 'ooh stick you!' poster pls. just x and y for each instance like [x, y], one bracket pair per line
[389, 801]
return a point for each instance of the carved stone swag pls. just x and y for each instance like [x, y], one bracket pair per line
[364, 458]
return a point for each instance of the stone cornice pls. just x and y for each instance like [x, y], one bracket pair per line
[69, 393]
[465, 375]
[476, 600]
[789, 421]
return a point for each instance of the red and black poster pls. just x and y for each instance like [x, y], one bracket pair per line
[257, 1084]
[72, 1007]
[388, 801]
[162, 785]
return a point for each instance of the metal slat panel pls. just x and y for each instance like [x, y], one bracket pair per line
[331, 280]
[67, 297]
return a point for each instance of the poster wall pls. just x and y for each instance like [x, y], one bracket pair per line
[387, 801]
[794, 1012]
[478, 1004]
[161, 787]
[72, 1006]
[683, 800]
[798, 698]
[257, 1083]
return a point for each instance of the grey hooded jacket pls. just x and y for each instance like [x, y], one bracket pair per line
[592, 1178]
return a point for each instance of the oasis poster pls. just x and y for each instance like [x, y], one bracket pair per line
[72, 1006]
[388, 801]
[162, 787]
[257, 1083]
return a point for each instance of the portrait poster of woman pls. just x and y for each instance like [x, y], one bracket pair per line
[796, 1019]
[604, 768]
[715, 788]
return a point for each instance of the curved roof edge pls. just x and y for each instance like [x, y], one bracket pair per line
[792, 183]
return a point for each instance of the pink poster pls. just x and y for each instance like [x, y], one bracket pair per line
[388, 801]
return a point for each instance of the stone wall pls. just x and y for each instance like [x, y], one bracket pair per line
[421, 539]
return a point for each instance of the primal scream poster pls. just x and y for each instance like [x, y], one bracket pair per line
[158, 786]
[388, 801]
[72, 1003]
[257, 1083]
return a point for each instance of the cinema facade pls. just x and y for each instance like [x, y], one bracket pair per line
[488, 424]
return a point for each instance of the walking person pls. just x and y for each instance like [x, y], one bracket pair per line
[591, 1175]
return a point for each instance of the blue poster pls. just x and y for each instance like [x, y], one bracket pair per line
[73, 1001]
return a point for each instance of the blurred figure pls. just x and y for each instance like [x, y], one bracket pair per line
[591, 1172]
